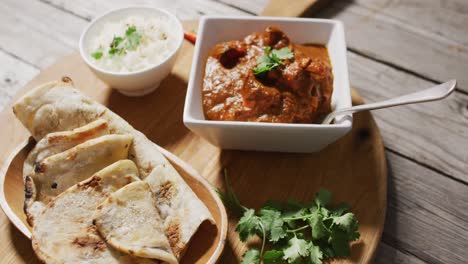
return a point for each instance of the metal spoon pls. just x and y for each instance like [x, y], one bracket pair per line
[432, 94]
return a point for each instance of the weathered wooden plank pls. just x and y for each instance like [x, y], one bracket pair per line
[41, 38]
[435, 133]
[387, 254]
[427, 213]
[255, 7]
[184, 9]
[409, 46]
[446, 18]
[14, 74]
[35, 31]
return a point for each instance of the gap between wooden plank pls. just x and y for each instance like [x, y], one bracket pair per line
[387, 254]
[400, 68]
[434, 133]
[237, 7]
[426, 166]
[421, 207]
[406, 45]
[61, 8]
[14, 74]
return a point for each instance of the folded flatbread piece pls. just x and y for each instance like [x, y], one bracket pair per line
[64, 231]
[58, 172]
[57, 142]
[129, 221]
[58, 106]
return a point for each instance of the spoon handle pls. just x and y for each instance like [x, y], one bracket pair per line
[432, 94]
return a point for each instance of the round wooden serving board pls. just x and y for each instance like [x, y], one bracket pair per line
[353, 168]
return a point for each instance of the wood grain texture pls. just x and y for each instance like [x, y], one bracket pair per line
[360, 179]
[253, 7]
[387, 255]
[435, 134]
[445, 123]
[427, 213]
[432, 17]
[38, 37]
[184, 9]
[296, 8]
[407, 43]
[13, 76]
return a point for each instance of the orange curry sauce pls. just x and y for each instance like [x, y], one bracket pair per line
[298, 91]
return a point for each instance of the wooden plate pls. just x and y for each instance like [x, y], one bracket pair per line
[353, 168]
[205, 247]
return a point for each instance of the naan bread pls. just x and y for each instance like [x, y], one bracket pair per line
[56, 173]
[129, 221]
[58, 106]
[64, 232]
[57, 142]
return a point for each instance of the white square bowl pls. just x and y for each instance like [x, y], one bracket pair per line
[269, 136]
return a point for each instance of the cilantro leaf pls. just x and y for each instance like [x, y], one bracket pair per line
[273, 223]
[264, 59]
[318, 228]
[273, 257]
[340, 209]
[347, 221]
[331, 229]
[130, 30]
[248, 225]
[97, 54]
[251, 256]
[294, 211]
[296, 249]
[327, 251]
[283, 53]
[323, 197]
[349, 224]
[339, 242]
[133, 38]
[316, 255]
[115, 46]
[272, 59]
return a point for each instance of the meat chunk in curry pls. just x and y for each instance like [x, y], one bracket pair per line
[296, 89]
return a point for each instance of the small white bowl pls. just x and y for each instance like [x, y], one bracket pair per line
[269, 136]
[140, 82]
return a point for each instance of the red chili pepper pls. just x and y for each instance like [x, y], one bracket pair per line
[190, 36]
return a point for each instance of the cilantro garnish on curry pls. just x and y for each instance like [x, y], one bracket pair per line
[267, 78]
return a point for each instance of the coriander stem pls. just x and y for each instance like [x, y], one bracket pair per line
[297, 229]
[297, 217]
[263, 238]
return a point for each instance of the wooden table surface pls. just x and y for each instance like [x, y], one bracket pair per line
[393, 47]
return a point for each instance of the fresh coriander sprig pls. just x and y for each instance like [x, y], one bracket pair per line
[272, 59]
[120, 45]
[294, 232]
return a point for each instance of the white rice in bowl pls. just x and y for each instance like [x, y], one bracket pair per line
[155, 42]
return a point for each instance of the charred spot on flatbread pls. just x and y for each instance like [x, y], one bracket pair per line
[166, 191]
[91, 183]
[28, 187]
[89, 241]
[39, 167]
[173, 235]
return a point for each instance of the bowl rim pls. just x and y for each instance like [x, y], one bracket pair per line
[104, 16]
[188, 118]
